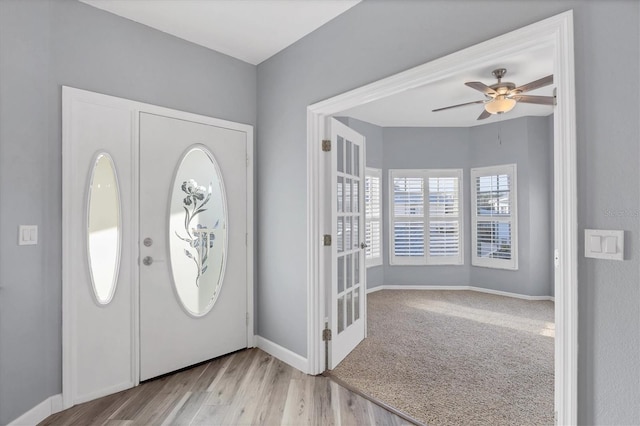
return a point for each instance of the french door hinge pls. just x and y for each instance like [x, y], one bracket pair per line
[326, 145]
[326, 334]
[326, 239]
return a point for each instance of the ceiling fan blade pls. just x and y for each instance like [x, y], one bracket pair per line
[540, 100]
[459, 105]
[544, 81]
[484, 115]
[481, 87]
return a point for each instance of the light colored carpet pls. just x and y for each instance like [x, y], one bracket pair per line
[457, 357]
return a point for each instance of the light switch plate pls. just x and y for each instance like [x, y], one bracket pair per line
[27, 235]
[604, 244]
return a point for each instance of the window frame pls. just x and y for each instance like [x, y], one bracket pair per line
[370, 260]
[426, 258]
[512, 171]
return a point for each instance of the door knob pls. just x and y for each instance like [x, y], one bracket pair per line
[148, 260]
[363, 246]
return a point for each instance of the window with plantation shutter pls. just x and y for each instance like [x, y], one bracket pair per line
[426, 217]
[444, 219]
[373, 216]
[494, 218]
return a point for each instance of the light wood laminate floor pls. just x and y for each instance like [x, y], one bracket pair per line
[248, 387]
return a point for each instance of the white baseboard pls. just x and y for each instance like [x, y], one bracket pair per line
[458, 287]
[49, 406]
[509, 294]
[80, 399]
[283, 354]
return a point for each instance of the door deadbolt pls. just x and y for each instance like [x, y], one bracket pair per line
[148, 260]
[148, 242]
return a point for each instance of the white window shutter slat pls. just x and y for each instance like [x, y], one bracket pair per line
[373, 218]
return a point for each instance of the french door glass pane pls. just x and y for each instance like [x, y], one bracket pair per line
[340, 235]
[356, 304]
[347, 196]
[340, 274]
[348, 168]
[340, 152]
[349, 270]
[340, 314]
[356, 269]
[356, 199]
[356, 231]
[356, 160]
[349, 308]
[340, 194]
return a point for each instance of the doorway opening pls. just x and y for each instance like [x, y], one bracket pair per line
[555, 32]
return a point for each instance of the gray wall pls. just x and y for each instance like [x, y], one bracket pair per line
[376, 39]
[426, 148]
[524, 141]
[45, 44]
[541, 232]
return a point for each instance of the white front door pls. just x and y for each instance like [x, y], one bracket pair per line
[193, 231]
[348, 289]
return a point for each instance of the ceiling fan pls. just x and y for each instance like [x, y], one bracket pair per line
[503, 96]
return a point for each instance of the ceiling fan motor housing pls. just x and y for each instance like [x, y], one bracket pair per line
[500, 87]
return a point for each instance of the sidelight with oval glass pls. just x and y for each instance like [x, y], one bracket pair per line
[198, 230]
[103, 228]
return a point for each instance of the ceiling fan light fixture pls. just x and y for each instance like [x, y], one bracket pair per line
[500, 104]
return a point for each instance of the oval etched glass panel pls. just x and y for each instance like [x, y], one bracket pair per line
[103, 228]
[198, 230]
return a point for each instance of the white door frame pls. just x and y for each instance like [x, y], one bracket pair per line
[71, 218]
[556, 32]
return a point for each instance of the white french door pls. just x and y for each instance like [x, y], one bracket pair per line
[193, 230]
[348, 271]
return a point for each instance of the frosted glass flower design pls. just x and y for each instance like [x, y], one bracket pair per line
[199, 238]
